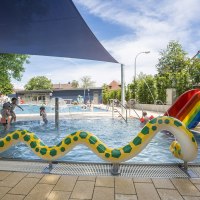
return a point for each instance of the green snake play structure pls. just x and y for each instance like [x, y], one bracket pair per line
[185, 148]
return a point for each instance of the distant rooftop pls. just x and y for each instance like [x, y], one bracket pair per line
[114, 85]
[62, 86]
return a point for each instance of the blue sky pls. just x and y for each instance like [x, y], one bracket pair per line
[125, 28]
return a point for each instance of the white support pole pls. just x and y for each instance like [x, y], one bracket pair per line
[122, 88]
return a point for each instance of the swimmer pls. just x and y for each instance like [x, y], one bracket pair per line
[13, 106]
[43, 114]
[5, 116]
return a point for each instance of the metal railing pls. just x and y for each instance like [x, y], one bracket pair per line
[115, 103]
[161, 102]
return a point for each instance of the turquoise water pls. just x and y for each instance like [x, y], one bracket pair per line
[114, 132]
[35, 109]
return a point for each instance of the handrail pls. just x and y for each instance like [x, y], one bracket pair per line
[133, 100]
[114, 101]
[157, 101]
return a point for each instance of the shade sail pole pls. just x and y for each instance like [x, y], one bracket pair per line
[122, 88]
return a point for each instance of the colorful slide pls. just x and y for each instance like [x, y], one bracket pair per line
[187, 108]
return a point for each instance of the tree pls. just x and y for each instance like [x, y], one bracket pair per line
[172, 60]
[39, 83]
[75, 84]
[146, 90]
[86, 83]
[174, 67]
[11, 66]
[5, 86]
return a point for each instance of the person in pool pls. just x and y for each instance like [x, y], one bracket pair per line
[5, 116]
[13, 106]
[43, 114]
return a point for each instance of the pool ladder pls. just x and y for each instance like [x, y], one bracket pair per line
[115, 102]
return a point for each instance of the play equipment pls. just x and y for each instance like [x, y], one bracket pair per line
[187, 108]
[185, 148]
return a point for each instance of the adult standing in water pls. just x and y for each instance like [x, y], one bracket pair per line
[13, 106]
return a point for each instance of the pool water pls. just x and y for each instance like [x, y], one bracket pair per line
[35, 109]
[114, 132]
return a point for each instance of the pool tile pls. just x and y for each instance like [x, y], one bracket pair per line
[12, 179]
[124, 186]
[13, 197]
[50, 179]
[105, 181]
[166, 194]
[66, 183]
[35, 175]
[87, 178]
[163, 183]
[59, 195]
[39, 192]
[146, 191]
[125, 197]
[142, 180]
[103, 193]
[4, 174]
[83, 190]
[24, 186]
[185, 187]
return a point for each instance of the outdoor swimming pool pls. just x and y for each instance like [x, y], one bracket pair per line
[35, 109]
[114, 132]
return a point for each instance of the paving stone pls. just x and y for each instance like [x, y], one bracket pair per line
[12, 197]
[125, 197]
[195, 180]
[35, 175]
[59, 195]
[87, 178]
[83, 190]
[39, 192]
[105, 181]
[4, 174]
[12, 179]
[24, 186]
[166, 194]
[185, 187]
[198, 186]
[66, 183]
[163, 183]
[146, 191]
[124, 186]
[3, 191]
[103, 193]
[50, 179]
[142, 180]
[190, 198]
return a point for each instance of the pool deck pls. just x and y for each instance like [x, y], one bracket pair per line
[32, 186]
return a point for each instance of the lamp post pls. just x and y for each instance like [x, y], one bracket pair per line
[146, 52]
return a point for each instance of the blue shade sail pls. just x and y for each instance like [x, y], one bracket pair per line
[47, 27]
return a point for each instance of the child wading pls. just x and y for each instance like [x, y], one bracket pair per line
[43, 114]
[5, 116]
[13, 105]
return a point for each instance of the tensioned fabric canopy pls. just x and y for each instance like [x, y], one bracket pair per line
[47, 27]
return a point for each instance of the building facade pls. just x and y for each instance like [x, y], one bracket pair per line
[68, 95]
